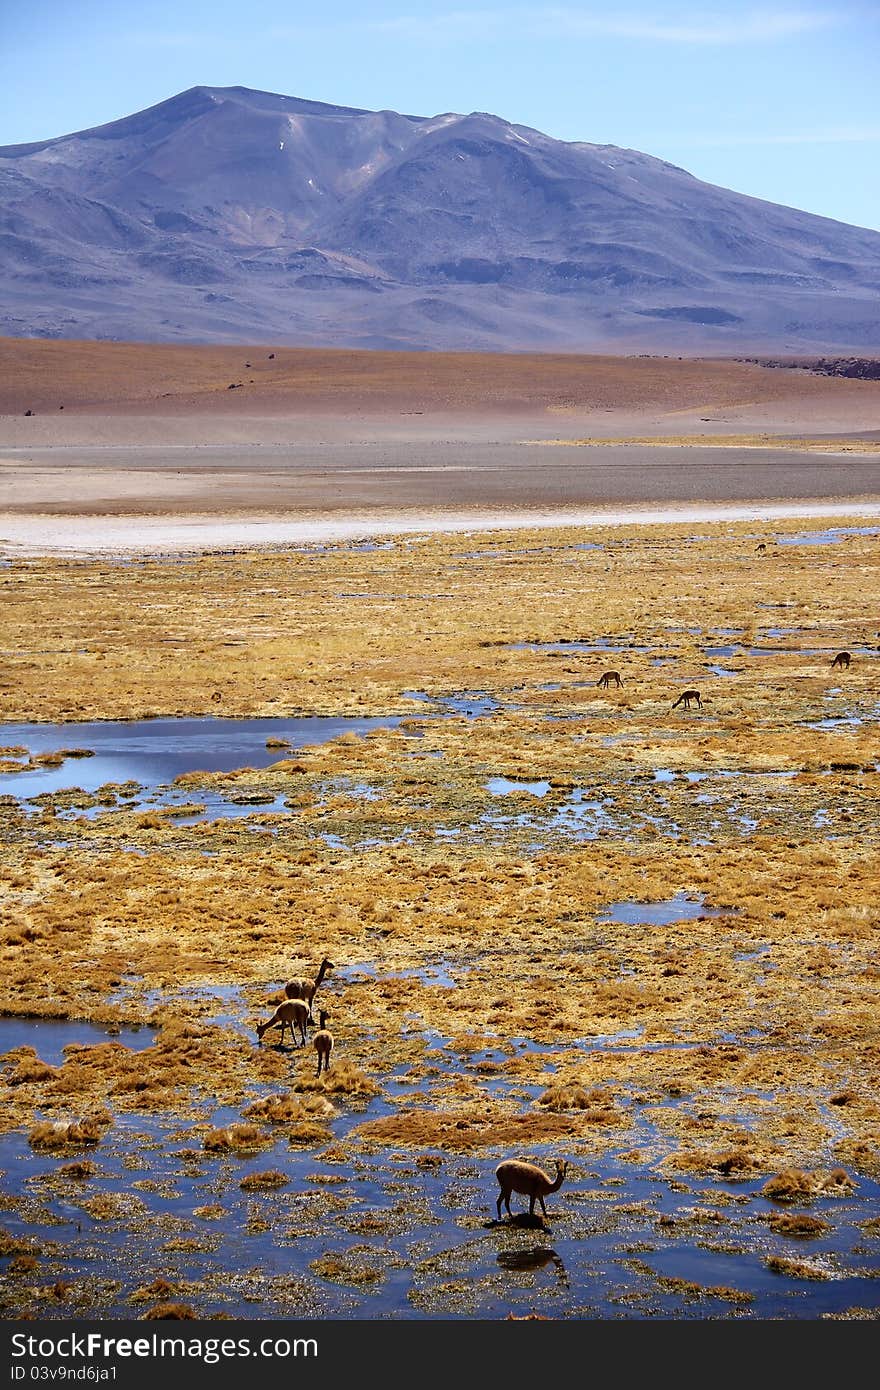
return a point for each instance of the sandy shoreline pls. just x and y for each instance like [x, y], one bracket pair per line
[22, 535]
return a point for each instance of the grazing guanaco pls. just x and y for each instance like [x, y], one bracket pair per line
[527, 1178]
[323, 1041]
[842, 660]
[761, 546]
[292, 1014]
[608, 677]
[686, 697]
[304, 988]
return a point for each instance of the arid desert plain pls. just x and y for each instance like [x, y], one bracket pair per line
[302, 662]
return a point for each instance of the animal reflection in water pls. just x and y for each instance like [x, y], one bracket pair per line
[531, 1258]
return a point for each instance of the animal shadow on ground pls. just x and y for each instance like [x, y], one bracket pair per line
[520, 1219]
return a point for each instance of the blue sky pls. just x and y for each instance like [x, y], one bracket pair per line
[776, 100]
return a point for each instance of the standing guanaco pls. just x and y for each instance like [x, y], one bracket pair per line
[323, 1041]
[527, 1178]
[292, 1014]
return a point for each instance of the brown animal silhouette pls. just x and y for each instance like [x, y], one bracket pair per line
[842, 660]
[527, 1178]
[518, 1261]
[608, 677]
[761, 546]
[305, 988]
[292, 1014]
[323, 1041]
[687, 697]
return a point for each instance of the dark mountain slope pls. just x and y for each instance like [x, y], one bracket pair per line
[227, 214]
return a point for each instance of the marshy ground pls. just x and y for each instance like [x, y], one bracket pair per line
[565, 920]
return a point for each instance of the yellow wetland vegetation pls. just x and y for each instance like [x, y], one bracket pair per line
[463, 867]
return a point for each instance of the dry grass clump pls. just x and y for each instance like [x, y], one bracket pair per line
[795, 1269]
[170, 1310]
[691, 1291]
[342, 1271]
[362, 1265]
[13, 1245]
[186, 1058]
[264, 1182]
[80, 1171]
[791, 1185]
[212, 1211]
[159, 1288]
[287, 1109]
[113, 1206]
[795, 1185]
[237, 1138]
[728, 1163]
[861, 1154]
[797, 1224]
[307, 1134]
[344, 1078]
[70, 1134]
[463, 1130]
[597, 1107]
[31, 1070]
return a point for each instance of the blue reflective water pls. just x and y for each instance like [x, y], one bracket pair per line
[503, 786]
[152, 752]
[49, 1036]
[830, 536]
[681, 908]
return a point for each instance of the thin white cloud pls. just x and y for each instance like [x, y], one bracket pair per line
[712, 27]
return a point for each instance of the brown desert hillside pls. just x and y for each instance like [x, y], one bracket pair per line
[46, 375]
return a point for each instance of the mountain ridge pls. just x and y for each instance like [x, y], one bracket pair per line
[226, 214]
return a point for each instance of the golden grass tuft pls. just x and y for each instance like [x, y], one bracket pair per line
[13, 1245]
[861, 1154]
[80, 1171]
[343, 1079]
[795, 1269]
[159, 1288]
[264, 1182]
[791, 1185]
[113, 1206]
[597, 1107]
[726, 1162]
[307, 1134]
[460, 1130]
[287, 1109]
[212, 1211]
[170, 1310]
[795, 1185]
[69, 1134]
[30, 1071]
[797, 1224]
[236, 1138]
